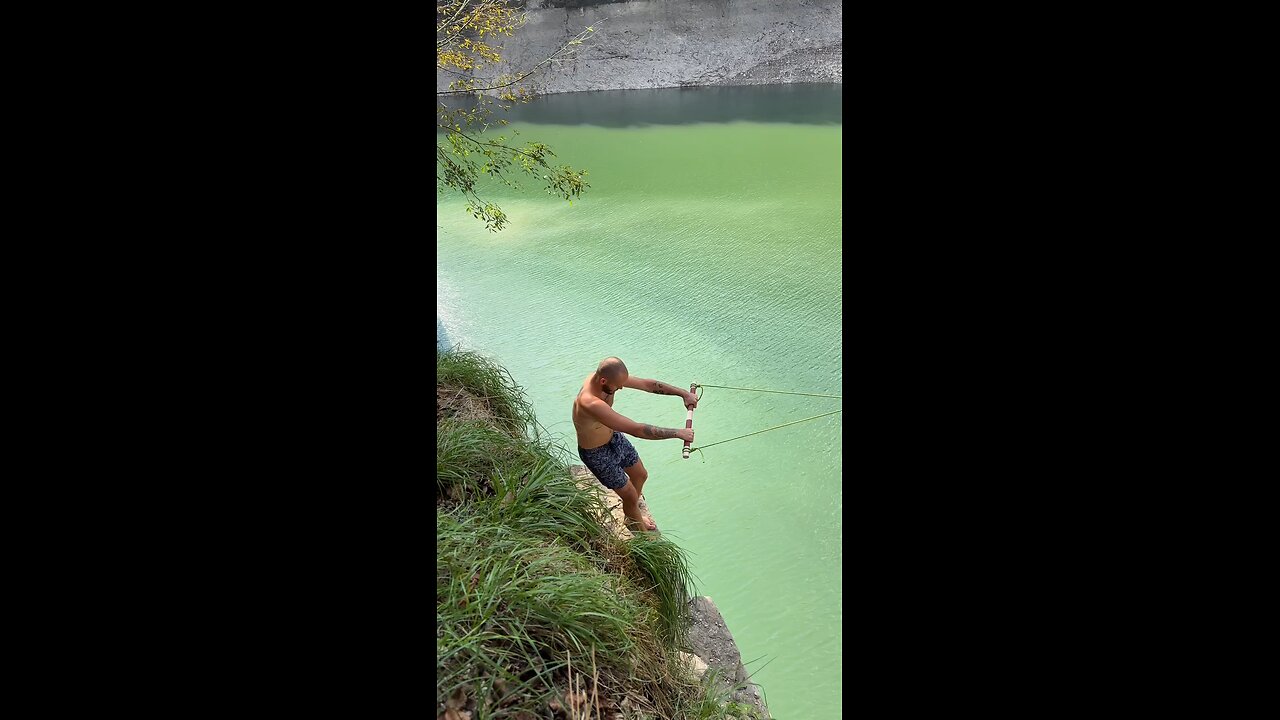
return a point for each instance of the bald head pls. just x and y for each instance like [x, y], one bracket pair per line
[611, 368]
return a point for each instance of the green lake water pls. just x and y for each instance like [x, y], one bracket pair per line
[706, 250]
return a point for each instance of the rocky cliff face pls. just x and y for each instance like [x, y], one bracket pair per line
[677, 43]
[713, 644]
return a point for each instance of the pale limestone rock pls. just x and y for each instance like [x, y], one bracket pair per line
[693, 661]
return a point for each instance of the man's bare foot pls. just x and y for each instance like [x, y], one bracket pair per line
[645, 523]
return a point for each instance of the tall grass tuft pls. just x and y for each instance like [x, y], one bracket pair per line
[664, 565]
[469, 454]
[513, 605]
[714, 701]
[490, 392]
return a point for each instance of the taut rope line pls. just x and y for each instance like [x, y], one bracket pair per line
[688, 423]
[780, 392]
[793, 422]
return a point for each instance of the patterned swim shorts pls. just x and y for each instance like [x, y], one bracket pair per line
[607, 461]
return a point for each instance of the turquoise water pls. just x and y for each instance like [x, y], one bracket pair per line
[706, 250]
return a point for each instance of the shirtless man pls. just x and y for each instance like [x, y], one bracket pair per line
[601, 444]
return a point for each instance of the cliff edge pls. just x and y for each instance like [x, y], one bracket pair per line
[710, 641]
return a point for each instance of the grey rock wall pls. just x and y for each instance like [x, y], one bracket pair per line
[710, 640]
[678, 43]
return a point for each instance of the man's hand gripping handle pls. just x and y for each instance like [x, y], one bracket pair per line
[688, 423]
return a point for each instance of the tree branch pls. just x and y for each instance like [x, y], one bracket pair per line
[577, 40]
[536, 159]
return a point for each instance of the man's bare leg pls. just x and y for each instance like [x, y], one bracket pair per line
[637, 475]
[631, 508]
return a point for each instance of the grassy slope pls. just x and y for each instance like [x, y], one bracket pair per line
[540, 612]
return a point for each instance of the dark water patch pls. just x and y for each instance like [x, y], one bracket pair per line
[442, 337]
[804, 103]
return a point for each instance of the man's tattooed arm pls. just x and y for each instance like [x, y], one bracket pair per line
[651, 432]
[661, 388]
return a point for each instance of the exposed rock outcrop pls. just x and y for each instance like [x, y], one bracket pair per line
[710, 640]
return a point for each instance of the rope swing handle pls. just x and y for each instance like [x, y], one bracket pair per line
[688, 423]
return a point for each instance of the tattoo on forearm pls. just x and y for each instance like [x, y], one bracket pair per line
[657, 433]
[657, 388]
